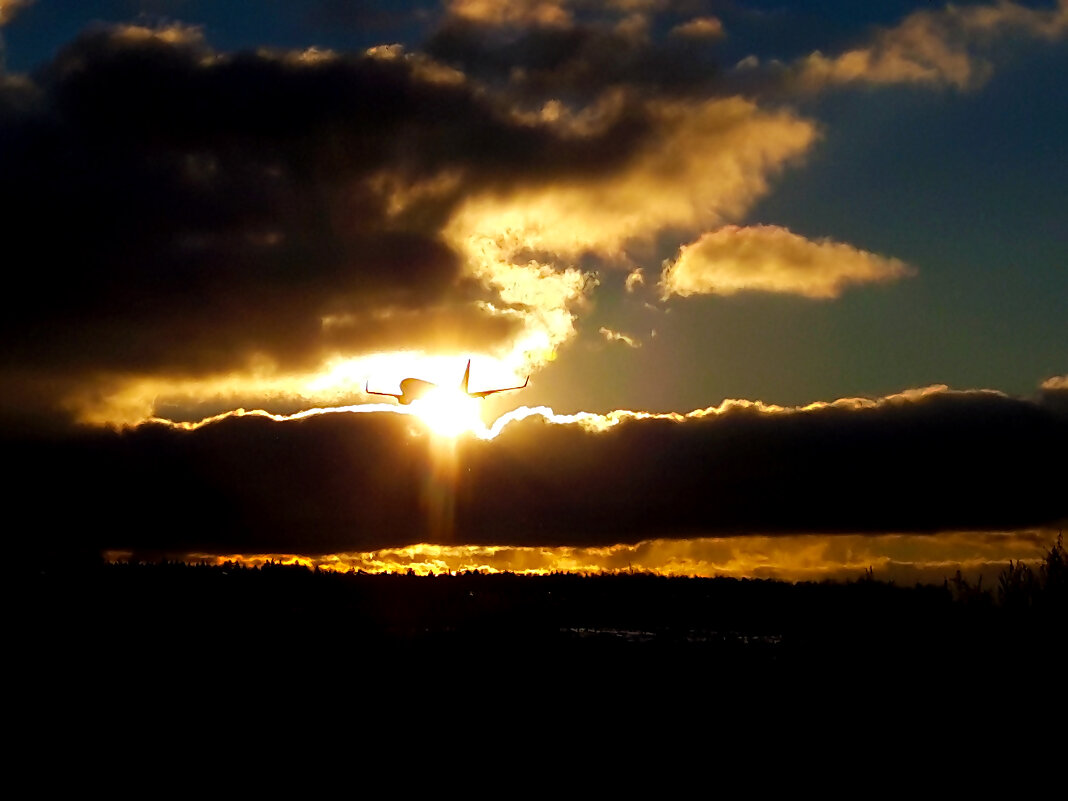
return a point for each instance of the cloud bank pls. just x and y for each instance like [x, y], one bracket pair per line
[921, 462]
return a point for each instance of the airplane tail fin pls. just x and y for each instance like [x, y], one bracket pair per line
[483, 393]
[467, 377]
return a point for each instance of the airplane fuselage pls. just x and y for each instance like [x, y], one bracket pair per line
[413, 389]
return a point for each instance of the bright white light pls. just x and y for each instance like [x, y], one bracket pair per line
[448, 412]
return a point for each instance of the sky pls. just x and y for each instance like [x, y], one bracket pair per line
[789, 284]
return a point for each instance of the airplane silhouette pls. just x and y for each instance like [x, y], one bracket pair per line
[415, 388]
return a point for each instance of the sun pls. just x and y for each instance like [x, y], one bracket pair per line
[448, 412]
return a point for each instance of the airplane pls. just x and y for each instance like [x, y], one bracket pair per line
[415, 388]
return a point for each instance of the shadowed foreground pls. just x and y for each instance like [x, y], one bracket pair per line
[126, 627]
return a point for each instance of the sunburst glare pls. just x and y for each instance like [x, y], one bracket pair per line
[448, 412]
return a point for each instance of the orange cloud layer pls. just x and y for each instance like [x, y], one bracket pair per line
[905, 558]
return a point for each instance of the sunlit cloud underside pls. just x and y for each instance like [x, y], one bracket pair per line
[903, 558]
[456, 419]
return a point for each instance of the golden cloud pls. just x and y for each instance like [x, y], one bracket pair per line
[174, 34]
[703, 163]
[512, 12]
[934, 47]
[422, 67]
[768, 258]
[700, 28]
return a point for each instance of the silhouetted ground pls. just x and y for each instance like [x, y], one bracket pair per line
[170, 627]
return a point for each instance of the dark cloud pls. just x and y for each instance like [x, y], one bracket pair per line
[935, 462]
[345, 482]
[575, 63]
[170, 209]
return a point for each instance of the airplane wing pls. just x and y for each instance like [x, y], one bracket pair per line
[486, 392]
[367, 390]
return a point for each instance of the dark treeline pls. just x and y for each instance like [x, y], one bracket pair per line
[176, 622]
